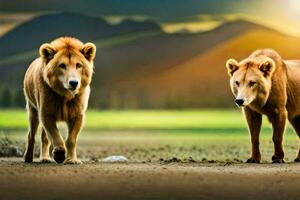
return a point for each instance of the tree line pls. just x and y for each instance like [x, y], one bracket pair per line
[11, 98]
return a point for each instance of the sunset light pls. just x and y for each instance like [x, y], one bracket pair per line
[292, 8]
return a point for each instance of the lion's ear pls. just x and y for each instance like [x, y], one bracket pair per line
[267, 67]
[232, 65]
[47, 52]
[89, 51]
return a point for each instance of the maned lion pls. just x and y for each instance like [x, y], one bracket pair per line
[56, 87]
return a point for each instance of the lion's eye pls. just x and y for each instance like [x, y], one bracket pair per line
[237, 83]
[62, 66]
[252, 83]
[78, 65]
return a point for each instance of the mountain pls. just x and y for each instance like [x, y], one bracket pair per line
[30, 35]
[202, 80]
[152, 69]
[132, 79]
[164, 50]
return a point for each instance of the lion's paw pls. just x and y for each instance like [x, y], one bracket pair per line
[276, 159]
[253, 160]
[59, 154]
[45, 160]
[70, 161]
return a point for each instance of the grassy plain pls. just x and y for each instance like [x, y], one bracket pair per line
[154, 135]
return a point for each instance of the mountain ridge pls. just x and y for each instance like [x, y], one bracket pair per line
[44, 28]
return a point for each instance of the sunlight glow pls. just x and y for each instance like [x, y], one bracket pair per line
[190, 26]
[293, 8]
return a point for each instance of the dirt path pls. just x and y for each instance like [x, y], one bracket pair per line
[148, 181]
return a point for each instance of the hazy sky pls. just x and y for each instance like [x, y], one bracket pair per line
[281, 14]
[158, 8]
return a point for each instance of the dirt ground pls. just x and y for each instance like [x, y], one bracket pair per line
[162, 166]
[155, 180]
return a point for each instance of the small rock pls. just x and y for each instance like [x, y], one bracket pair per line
[115, 159]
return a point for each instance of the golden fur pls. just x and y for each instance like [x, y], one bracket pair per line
[56, 87]
[266, 84]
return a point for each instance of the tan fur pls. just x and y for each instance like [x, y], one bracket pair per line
[51, 97]
[267, 85]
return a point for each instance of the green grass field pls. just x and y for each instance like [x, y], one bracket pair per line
[151, 135]
[198, 120]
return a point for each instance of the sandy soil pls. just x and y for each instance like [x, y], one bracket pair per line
[98, 180]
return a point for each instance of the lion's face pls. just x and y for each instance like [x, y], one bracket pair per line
[68, 65]
[250, 80]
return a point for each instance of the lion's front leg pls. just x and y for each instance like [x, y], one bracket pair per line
[254, 121]
[74, 127]
[49, 125]
[45, 155]
[278, 122]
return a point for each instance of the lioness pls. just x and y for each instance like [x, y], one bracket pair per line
[266, 84]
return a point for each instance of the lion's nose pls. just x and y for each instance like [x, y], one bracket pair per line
[73, 83]
[239, 102]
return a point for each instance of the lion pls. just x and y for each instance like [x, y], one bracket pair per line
[265, 84]
[57, 88]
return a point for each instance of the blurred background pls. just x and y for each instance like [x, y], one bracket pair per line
[152, 54]
[160, 88]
